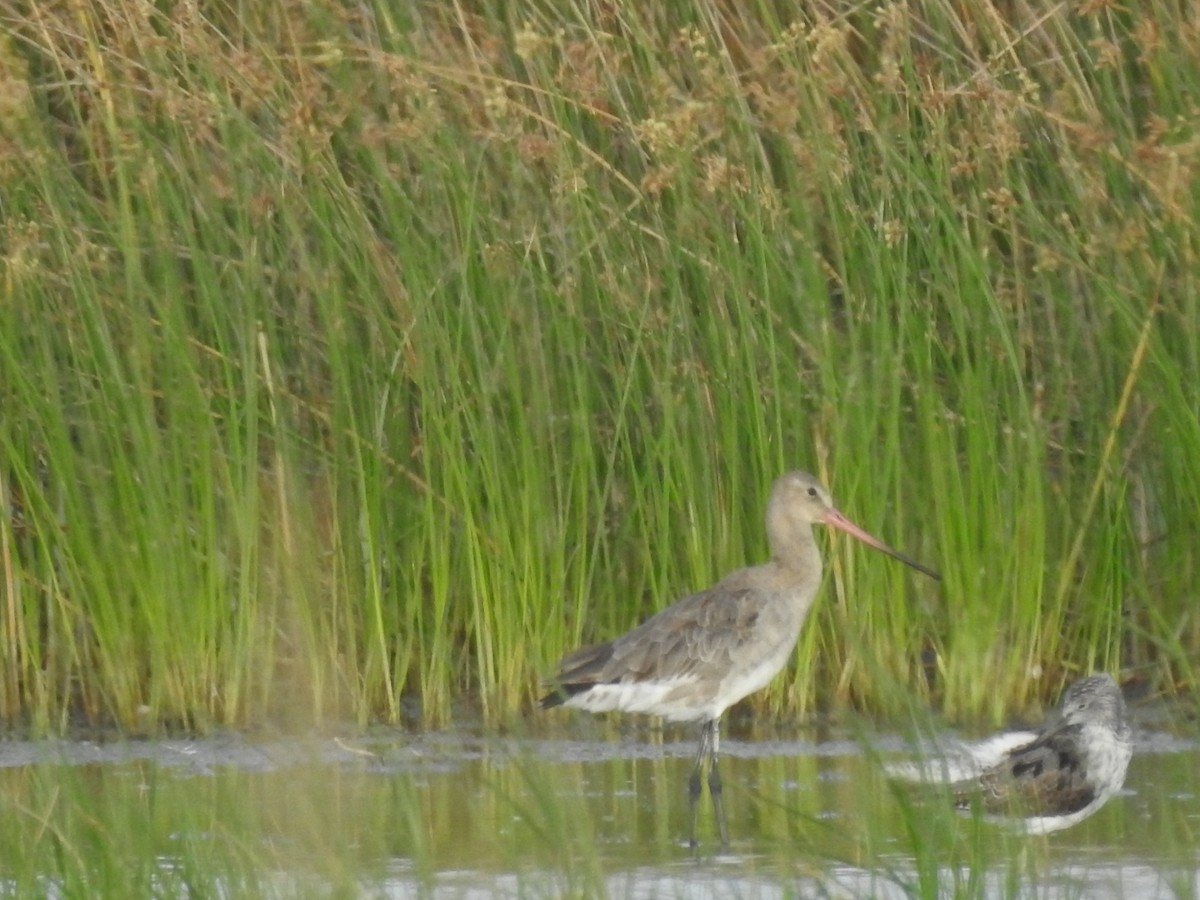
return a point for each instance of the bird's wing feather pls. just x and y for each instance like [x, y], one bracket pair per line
[1046, 777]
[700, 630]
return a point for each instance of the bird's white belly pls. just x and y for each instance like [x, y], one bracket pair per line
[744, 682]
[685, 698]
[679, 699]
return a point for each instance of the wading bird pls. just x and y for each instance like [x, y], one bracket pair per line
[698, 657]
[1048, 779]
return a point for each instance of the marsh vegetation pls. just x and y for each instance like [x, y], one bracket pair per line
[358, 361]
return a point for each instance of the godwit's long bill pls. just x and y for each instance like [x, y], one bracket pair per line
[698, 657]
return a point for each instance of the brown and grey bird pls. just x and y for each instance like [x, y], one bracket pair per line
[1077, 761]
[696, 658]
[1045, 780]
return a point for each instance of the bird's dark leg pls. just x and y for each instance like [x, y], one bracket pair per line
[706, 764]
[696, 781]
[714, 782]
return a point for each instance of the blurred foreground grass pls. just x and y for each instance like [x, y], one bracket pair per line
[451, 815]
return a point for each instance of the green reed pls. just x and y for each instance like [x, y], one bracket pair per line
[357, 366]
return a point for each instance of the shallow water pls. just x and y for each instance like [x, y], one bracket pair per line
[595, 809]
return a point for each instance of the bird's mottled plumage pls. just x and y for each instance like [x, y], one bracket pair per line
[1052, 778]
[691, 661]
[689, 655]
[698, 657]
[1077, 761]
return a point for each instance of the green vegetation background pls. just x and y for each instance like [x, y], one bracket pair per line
[357, 360]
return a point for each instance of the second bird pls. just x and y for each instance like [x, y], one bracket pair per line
[698, 657]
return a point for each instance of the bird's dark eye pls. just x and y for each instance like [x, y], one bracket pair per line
[812, 492]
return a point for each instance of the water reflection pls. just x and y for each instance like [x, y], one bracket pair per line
[463, 814]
